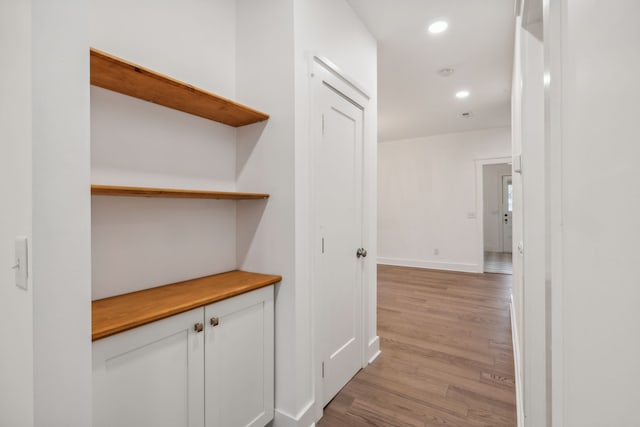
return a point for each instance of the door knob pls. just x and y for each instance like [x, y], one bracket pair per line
[198, 327]
[361, 252]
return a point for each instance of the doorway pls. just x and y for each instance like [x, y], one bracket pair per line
[338, 228]
[497, 202]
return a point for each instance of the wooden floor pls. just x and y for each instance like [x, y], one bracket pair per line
[498, 262]
[447, 356]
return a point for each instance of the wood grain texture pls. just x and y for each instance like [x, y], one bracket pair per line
[118, 75]
[114, 190]
[124, 312]
[447, 357]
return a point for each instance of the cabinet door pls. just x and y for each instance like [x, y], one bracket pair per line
[151, 376]
[239, 360]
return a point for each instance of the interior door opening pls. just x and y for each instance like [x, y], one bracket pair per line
[497, 193]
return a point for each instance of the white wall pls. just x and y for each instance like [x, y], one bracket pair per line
[580, 287]
[274, 41]
[492, 204]
[191, 40]
[427, 191]
[141, 243]
[61, 248]
[16, 315]
[596, 316]
[265, 162]
[332, 30]
[46, 358]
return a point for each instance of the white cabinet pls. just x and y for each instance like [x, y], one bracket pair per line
[239, 360]
[151, 376]
[183, 371]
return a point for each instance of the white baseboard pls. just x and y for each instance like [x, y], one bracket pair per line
[304, 418]
[516, 361]
[373, 349]
[435, 265]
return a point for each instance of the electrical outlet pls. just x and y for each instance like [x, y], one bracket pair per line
[436, 251]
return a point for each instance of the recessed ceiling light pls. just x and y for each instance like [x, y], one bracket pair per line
[462, 94]
[446, 72]
[438, 27]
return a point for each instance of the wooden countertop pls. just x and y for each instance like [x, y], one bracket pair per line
[123, 312]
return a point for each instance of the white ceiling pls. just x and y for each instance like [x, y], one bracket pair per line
[413, 100]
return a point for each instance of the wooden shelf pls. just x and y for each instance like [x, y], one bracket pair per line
[121, 76]
[123, 312]
[113, 190]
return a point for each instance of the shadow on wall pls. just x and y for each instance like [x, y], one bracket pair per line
[247, 139]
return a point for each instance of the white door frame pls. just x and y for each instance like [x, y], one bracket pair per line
[502, 212]
[323, 71]
[480, 163]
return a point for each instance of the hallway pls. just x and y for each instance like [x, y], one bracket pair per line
[447, 355]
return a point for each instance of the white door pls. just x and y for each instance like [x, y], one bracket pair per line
[507, 212]
[239, 360]
[338, 189]
[151, 376]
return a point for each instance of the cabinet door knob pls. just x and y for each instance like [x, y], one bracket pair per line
[198, 327]
[215, 321]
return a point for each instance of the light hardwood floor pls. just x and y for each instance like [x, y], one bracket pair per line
[447, 356]
[498, 262]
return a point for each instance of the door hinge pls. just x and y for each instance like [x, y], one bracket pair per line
[322, 369]
[323, 245]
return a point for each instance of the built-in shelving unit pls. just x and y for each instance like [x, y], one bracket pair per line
[123, 312]
[210, 350]
[112, 190]
[118, 75]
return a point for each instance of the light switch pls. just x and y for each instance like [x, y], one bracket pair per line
[20, 265]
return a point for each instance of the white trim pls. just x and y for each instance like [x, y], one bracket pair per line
[555, 48]
[517, 362]
[434, 265]
[303, 419]
[337, 71]
[373, 350]
[480, 206]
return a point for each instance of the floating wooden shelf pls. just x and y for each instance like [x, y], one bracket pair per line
[112, 190]
[123, 312]
[121, 76]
